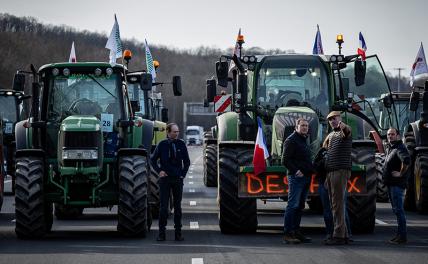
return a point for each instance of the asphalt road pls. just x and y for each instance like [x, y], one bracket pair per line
[93, 237]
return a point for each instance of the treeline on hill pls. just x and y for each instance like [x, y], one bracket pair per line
[25, 41]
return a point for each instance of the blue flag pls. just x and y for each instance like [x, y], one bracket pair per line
[318, 43]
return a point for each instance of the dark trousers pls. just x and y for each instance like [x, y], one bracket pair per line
[396, 196]
[298, 188]
[167, 187]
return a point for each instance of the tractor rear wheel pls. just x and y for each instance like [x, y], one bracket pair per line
[237, 215]
[421, 183]
[132, 207]
[33, 219]
[362, 209]
[382, 189]
[409, 198]
[210, 165]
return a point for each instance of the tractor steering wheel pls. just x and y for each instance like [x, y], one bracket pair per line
[284, 97]
[84, 106]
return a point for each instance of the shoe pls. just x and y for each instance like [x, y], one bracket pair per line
[400, 240]
[335, 241]
[348, 240]
[302, 238]
[290, 239]
[161, 237]
[328, 237]
[178, 237]
[392, 240]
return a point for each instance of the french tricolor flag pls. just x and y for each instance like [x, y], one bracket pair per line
[261, 152]
[362, 48]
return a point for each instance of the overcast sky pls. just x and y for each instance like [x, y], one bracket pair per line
[393, 29]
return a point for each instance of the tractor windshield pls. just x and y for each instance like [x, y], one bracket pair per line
[8, 108]
[282, 82]
[84, 94]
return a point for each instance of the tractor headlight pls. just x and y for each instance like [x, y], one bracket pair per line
[80, 154]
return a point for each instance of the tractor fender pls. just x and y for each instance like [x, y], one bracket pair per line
[30, 152]
[227, 125]
[147, 131]
[132, 151]
[21, 135]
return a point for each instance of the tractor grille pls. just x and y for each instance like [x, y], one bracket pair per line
[81, 139]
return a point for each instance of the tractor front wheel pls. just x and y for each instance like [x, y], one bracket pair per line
[33, 218]
[132, 207]
[237, 215]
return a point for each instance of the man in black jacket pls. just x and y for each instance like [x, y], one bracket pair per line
[174, 164]
[296, 156]
[397, 161]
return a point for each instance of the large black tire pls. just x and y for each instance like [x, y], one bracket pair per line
[132, 207]
[33, 218]
[67, 212]
[421, 183]
[154, 197]
[210, 165]
[382, 189]
[362, 209]
[237, 215]
[409, 198]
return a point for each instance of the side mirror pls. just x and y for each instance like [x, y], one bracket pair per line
[211, 90]
[221, 69]
[176, 85]
[414, 101]
[360, 72]
[164, 115]
[387, 101]
[19, 82]
[146, 81]
[135, 106]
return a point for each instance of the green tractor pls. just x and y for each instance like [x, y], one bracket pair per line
[81, 147]
[210, 158]
[416, 140]
[155, 116]
[279, 89]
[10, 109]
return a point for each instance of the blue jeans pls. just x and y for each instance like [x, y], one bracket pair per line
[298, 188]
[169, 186]
[327, 214]
[396, 196]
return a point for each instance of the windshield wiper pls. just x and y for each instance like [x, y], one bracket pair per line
[95, 80]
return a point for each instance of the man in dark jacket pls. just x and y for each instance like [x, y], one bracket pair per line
[174, 164]
[296, 156]
[397, 161]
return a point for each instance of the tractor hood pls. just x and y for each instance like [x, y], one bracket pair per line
[284, 122]
[80, 123]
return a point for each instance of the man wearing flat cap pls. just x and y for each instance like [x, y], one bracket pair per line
[338, 164]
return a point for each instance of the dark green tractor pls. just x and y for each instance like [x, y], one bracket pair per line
[81, 147]
[279, 89]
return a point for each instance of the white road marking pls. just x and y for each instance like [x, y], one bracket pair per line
[7, 181]
[192, 190]
[190, 171]
[192, 203]
[380, 222]
[194, 225]
[190, 182]
[13, 221]
[190, 177]
[197, 261]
